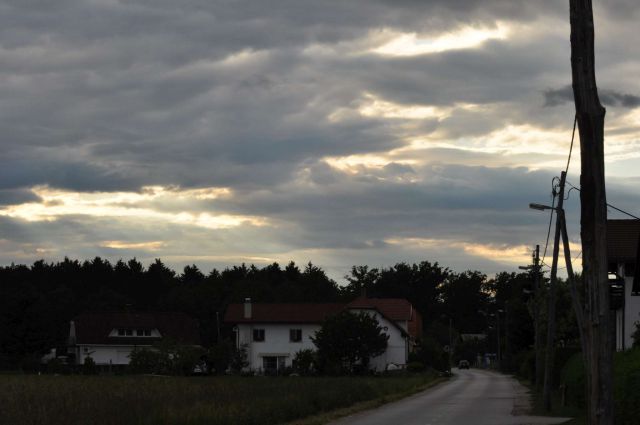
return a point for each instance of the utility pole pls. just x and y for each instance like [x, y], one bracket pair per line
[551, 304]
[498, 332]
[536, 315]
[590, 116]
[534, 269]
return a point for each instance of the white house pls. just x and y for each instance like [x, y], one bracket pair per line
[273, 333]
[623, 239]
[109, 338]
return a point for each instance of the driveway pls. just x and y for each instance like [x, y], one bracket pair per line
[471, 397]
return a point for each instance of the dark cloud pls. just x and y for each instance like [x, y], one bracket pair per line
[254, 96]
[555, 97]
[17, 196]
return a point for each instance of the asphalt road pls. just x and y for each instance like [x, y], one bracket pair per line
[471, 397]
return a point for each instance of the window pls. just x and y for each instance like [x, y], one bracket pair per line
[295, 335]
[133, 332]
[273, 364]
[258, 335]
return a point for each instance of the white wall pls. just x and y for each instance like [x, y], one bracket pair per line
[276, 341]
[631, 311]
[104, 355]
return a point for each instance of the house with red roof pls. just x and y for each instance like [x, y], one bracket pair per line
[273, 333]
[110, 337]
[623, 249]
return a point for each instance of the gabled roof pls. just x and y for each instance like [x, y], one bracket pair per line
[397, 309]
[95, 327]
[622, 240]
[394, 309]
[282, 313]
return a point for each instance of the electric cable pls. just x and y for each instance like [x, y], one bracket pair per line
[609, 205]
[573, 135]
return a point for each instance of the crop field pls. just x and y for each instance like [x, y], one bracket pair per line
[125, 400]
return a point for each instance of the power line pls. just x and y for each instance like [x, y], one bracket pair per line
[573, 135]
[610, 206]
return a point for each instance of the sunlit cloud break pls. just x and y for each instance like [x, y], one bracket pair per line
[148, 246]
[411, 44]
[56, 203]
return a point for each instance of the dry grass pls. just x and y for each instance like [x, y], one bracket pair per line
[128, 400]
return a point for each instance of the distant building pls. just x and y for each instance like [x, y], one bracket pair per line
[109, 338]
[623, 238]
[273, 333]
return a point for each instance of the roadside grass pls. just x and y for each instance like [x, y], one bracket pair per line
[146, 400]
[577, 414]
[558, 410]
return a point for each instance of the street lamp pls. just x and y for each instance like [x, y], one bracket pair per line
[541, 207]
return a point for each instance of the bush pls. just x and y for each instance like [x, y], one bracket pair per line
[219, 356]
[89, 366]
[527, 362]
[239, 359]
[143, 360]
[626, 381]
[573, 378]
[415, 367]
[626, 369]
[304, 362]
[430, 354]
[57, 366]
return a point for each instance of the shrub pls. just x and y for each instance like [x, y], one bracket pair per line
[239, 359]
[626, 384]
[527, 361]
[431, 354]
[304, 362]
[89, 366]
[573, 377]
[220, 356]
[56, 365]
[144, 360]
[636, 335]
[415, 367]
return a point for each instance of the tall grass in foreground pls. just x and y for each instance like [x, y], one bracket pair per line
[84, 400]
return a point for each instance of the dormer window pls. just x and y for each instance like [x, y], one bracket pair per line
[134, 332]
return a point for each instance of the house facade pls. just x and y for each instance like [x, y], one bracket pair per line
[274, 333]
[109, 338]
[623, 239]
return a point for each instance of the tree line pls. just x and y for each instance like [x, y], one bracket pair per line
[38, 301]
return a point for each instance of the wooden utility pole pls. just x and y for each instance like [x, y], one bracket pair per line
[536, 315]
[590, 115]
[551, 315]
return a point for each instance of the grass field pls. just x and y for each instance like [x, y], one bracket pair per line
[128, 400]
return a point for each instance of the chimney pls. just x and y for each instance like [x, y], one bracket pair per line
[247, 308]
[72, 333]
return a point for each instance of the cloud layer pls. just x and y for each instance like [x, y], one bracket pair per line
[368, 132]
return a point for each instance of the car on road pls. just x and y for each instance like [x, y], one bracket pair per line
[464, 364]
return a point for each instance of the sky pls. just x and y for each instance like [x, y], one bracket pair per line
[217, 132]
